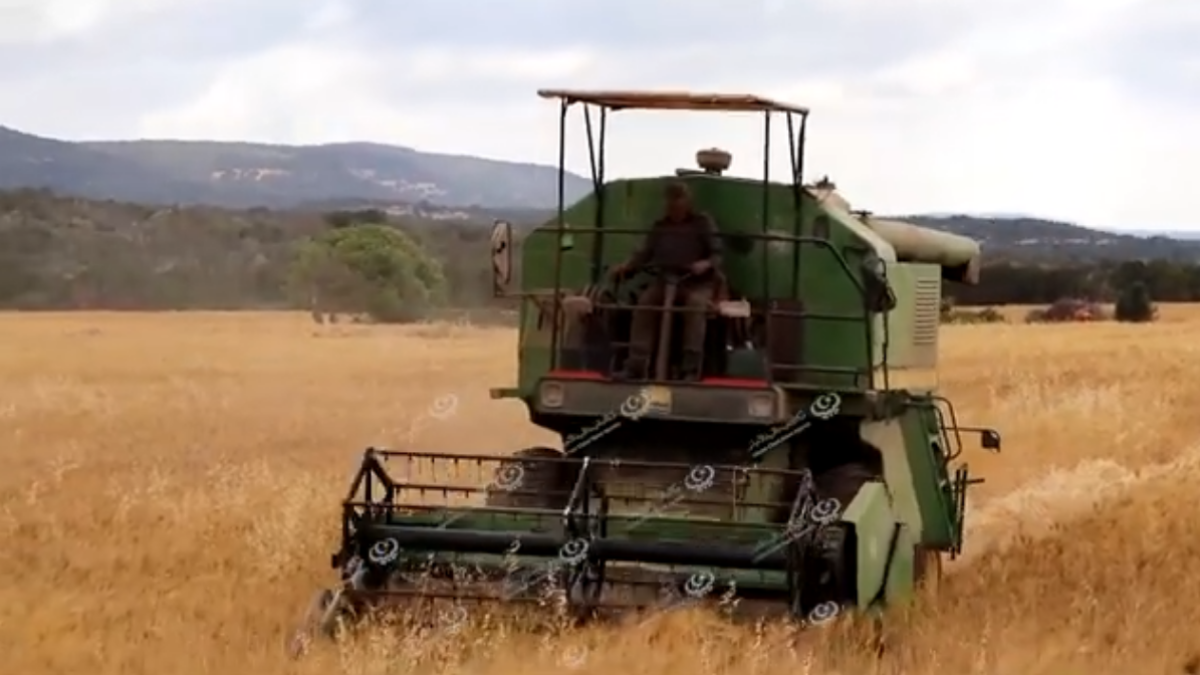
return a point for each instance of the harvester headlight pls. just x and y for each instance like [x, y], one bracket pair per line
[762, 406]
[551, 395]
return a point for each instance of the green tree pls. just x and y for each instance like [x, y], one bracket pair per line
[341, 219]
[372, 270]
[1134, 304]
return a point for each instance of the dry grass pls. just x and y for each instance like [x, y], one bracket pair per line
[168, 502]
[1167, 313]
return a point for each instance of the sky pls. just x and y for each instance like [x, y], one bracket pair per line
[1081, 110]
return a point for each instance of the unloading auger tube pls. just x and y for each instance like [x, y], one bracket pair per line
[921, 244]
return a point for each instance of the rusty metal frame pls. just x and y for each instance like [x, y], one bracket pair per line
[672, 100]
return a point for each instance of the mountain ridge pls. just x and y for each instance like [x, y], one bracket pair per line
[437, 186]
[240, 174]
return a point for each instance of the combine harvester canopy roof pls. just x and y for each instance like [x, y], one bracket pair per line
[672, 100]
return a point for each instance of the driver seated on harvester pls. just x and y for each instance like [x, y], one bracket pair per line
[684, 242]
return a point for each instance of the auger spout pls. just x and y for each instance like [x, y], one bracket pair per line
[958, 255]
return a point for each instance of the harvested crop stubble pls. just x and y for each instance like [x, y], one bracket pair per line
[171, 483]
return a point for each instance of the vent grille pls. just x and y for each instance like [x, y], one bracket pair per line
[927, 309]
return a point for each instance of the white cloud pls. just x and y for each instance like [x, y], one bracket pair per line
[1016, 105]
[22, 22]
[332, 15]
[38, 21]
[287, 94]
[515, 65]
[933, 74]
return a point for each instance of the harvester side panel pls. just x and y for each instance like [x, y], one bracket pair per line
[923, 440]
[913, 327]
[825, 289]
[875, 529]
[914, 468]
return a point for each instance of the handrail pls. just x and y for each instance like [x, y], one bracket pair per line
[756, 236]
[767, 313]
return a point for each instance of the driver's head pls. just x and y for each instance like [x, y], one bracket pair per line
[678, 200]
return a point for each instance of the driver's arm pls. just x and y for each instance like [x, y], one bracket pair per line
[711, 238]
[643, 255]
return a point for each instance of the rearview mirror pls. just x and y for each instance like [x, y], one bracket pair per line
[879, 294]
[990, 440]
[501, 256]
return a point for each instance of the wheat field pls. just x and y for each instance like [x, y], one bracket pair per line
[170, 484]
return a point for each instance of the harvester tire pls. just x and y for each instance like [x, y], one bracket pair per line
[538, 485]
[843, 482]
[927, 569]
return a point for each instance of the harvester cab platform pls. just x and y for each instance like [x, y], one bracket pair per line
[799, 457]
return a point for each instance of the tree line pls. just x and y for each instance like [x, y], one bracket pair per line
[60, 253]
[65, 253]
[1012, 283]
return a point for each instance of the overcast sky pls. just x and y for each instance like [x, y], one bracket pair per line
[1086, 110]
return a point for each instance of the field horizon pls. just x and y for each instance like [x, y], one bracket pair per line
[172, 482]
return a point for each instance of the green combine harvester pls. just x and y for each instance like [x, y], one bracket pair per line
[807, 469]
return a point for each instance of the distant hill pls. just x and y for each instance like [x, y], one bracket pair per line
[240, 175]
[434, 186]
[1169, 234]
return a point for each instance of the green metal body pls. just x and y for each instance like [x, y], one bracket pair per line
[882, 360]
